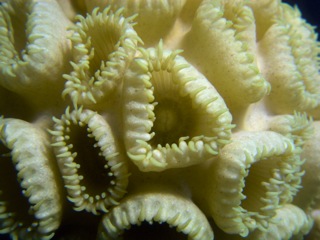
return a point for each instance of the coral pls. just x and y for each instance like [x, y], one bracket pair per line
[290, 222]
[94, 170]
[99, 58]
[252, 159]
[34, 52]
[31, 198]
[164, 208]
[187, 119]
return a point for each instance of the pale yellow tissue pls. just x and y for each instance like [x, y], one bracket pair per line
[138, 119]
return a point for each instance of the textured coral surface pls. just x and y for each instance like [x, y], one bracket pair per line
[158, 119]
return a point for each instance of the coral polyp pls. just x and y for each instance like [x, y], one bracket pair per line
[31, 197]
[92, 167]
[173, 115]
[158, 119]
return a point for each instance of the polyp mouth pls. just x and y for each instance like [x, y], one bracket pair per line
[90, 162]
[175, 117]
[19, 20]
[153, 230]
[15, 210]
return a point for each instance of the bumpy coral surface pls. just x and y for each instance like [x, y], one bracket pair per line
[158, 119]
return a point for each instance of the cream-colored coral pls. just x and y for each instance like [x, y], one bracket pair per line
[198, 116]
[289, 59]
[99, 58]
[250, 179]
[93, 169]
[311, 178]
[221, 43]
[290, 222]
[28, 165]
[160, 207]
[155, 18]
[34, 52]
[174, 117]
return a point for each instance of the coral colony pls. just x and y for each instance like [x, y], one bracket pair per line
[176, 119]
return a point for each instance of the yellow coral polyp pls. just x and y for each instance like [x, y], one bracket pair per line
[27, 163]
[264, 159]
[32, 46]
[98, 66]
[221, 44]
[290, 222]
[94, 172]
[153, 25]
[164, 208]
[164, 93]
[289, 55]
